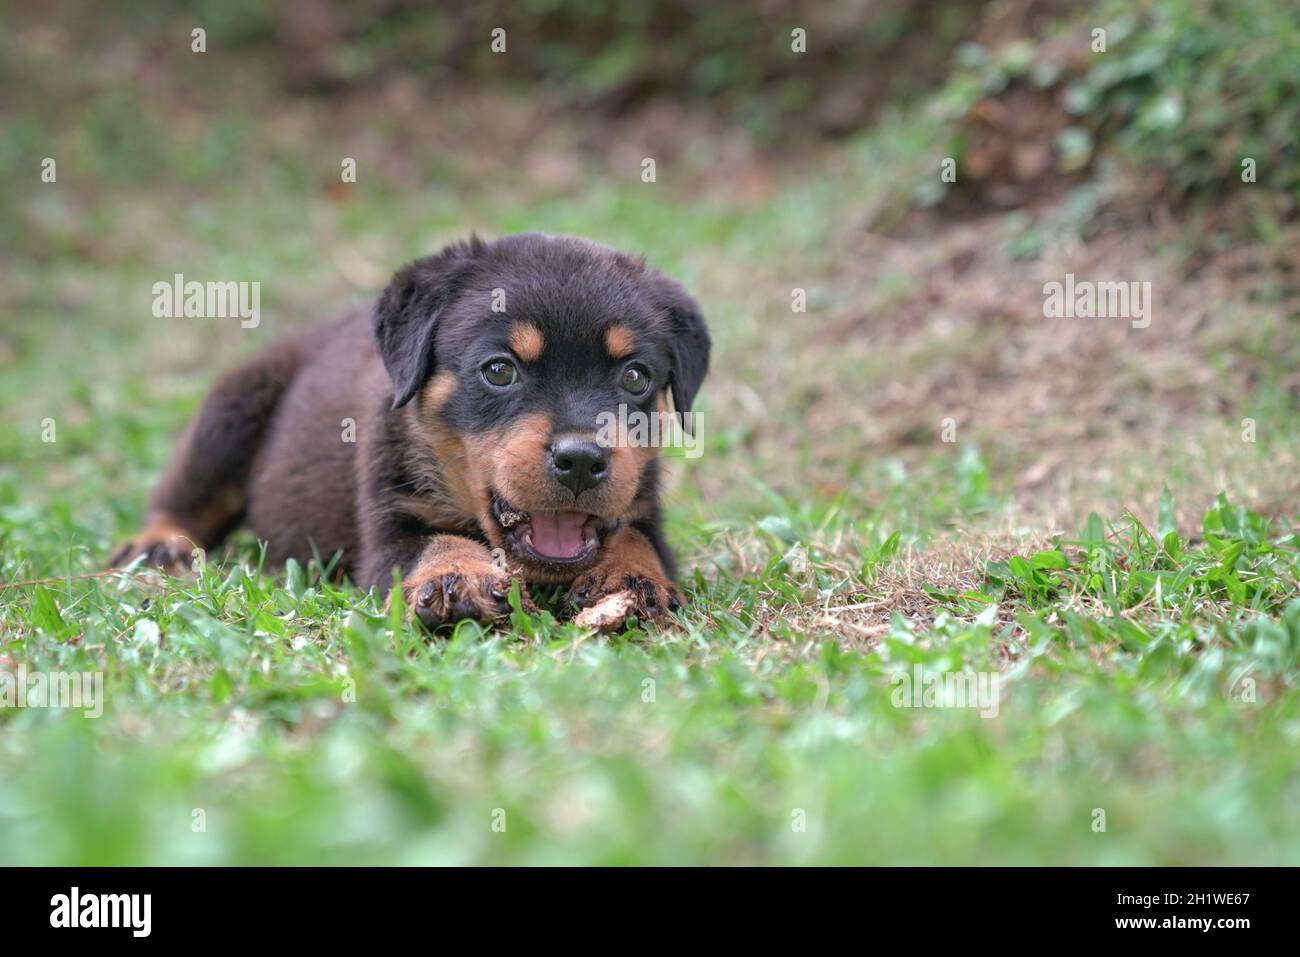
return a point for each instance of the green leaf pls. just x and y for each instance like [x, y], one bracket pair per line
[295, 579]
[1166, 521]
[1050, 559]
[1094, 530]
[221, 686]
[45, 612]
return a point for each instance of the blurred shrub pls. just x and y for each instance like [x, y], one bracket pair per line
[734, 55]
[1188, 89]
[1193, 87]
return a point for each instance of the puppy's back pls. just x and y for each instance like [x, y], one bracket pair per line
[303, 493]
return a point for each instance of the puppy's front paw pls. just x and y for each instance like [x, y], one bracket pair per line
[162, 545]
[609, 595]
[480, 592]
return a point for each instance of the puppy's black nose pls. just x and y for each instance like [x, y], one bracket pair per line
[579, 463]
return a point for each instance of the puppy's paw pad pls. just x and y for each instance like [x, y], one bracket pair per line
[444, 599]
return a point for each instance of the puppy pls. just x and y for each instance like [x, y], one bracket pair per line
[451, 433]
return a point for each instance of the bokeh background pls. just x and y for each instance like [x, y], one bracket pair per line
[776, 171]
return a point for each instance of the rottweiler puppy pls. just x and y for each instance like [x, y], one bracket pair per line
[451, 433]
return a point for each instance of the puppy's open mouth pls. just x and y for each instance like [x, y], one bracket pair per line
[554, 537]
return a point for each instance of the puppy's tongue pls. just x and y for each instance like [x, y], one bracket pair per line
[559, 534]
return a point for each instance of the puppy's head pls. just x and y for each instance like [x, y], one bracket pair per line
[512, 358]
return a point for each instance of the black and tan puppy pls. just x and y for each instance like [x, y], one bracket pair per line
[451, 433]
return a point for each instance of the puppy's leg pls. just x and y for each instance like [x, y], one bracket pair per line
[453, 578]
[629, 580]
[202, 495]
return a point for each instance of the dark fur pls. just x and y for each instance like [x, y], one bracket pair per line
[266, 447]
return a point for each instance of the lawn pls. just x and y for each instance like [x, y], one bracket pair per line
[915, 479]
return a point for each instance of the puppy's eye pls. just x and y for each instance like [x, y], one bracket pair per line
[636, 379]
[500, 372]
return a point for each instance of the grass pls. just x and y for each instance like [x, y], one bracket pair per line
[1146, 655]
[305, 725]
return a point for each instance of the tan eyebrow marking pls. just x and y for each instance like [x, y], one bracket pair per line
[526, 340]
[619, 341]
[439, 389]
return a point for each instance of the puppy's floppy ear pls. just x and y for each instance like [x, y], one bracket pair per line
[688, 342]
[407, 313]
